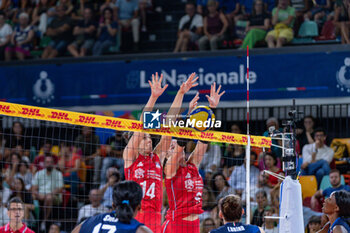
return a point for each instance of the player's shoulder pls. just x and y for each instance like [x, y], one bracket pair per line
[221, 229]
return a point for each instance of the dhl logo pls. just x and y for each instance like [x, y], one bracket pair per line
[59, 116]
[186, 132]
[5, 109]
[207, 135]
[31, 111]
[113, 123]
[136, 126]
[163, 130]
[228, 138]
[87, 120]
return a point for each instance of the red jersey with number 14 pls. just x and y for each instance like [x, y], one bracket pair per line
[147, 172]
[184, 192]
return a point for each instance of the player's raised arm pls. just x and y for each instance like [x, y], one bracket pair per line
[201, 147]
[174, 110]
[130, 151]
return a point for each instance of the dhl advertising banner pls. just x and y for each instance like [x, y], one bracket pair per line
[61, 116]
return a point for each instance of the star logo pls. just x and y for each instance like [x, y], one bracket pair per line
[156, 115]
[151, 120]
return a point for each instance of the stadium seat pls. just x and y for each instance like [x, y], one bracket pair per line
[308, 185]
[308, 29]
[325, 183]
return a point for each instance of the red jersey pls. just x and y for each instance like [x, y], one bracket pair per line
[23, 229]
[147, 172]
[184, 192]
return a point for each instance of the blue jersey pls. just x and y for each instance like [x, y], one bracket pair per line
[237, 227]
[108, 223]
[337, 222]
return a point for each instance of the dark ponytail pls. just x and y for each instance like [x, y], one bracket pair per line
[342, 198]
[127, 196]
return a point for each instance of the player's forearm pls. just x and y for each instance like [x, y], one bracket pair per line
[175, 107]
[149, 106]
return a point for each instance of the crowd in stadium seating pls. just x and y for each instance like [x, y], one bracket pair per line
[55, 174]
[274, 23]
[51, 28]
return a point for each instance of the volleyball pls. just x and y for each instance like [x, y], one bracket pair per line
[203, 118]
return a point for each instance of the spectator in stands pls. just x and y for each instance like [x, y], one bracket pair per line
[269, 225]
[190, 28]
[314, 224]
[5, 191]
[127, 16]
[305, 135]
[215, 25]
[19, 191]
[69, 164]
[18, 7]
[114, 148]
[208, 203]
[94, 208]
[257, 25]
[230, 8]
[273, 126]
[67, 4]
[47, 187]
[220, 186]
[258, 214]
[39, 161]
[144, 5]
[342, 20]
[4, 218]
[5, 34]
[106, 33]
[266, 180]
[246, 8]
[207, 225]
[202, 6]
[89, 143]
[21, 39]
[55, 228]
[238, 179]
[59, 30]
[317, 156]
[283, 17]
[24, 173]
[234, 154]
[270, 4]
[320, 9]
[84, 34]
[12, 168]
[16, 214]
[17, 136]
[106, 190]
[40, 16]
[211, 158]
[335, 180]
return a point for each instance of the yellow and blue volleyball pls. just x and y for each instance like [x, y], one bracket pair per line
[203, 114]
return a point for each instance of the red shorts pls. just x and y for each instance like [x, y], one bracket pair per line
[151, 219]
[180, 226]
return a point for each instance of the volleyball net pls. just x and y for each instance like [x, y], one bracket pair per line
[83, 153]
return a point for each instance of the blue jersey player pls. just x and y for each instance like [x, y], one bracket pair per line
[337, 209]
[231, 212]
[127, 196]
